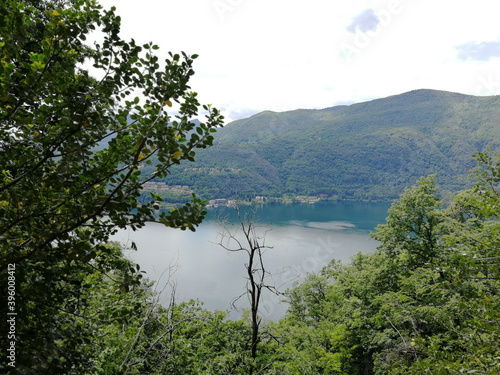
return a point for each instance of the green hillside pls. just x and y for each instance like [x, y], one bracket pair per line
[369, 150]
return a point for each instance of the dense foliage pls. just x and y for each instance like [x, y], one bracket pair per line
[427, 301]
[78, 120]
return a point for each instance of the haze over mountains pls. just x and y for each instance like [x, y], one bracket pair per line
[370, 150]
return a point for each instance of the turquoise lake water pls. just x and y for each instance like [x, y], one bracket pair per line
[303, 237]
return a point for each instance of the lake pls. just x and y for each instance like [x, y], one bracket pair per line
[303, 237]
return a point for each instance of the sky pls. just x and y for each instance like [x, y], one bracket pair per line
[281, 55]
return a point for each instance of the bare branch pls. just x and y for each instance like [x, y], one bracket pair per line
[255, 246]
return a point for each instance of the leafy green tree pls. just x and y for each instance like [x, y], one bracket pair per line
[334, 311]
[445, 310]
[413, 225]
[77, 122]
[306, 300]
[363, 307]
[470, 281]
[426, 301]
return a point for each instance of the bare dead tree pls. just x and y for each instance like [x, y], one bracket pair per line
[253, 244]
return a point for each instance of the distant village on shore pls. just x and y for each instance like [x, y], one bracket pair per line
[162, 187]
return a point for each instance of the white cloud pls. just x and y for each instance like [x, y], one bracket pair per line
[482, 51]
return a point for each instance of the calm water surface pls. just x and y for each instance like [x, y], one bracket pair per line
[304, 238]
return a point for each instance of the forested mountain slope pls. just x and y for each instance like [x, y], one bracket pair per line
[369, 150]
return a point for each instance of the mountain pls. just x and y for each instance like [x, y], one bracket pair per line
[370, 150]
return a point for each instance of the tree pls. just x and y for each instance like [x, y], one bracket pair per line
[472, 278]
[254, 246]
[412, 227]
[363, 314]
[426, 301]
[72, 146]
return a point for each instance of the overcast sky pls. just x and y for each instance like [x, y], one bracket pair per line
[282, 55]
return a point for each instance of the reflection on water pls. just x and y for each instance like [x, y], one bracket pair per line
[304, 239]
[331, 225]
